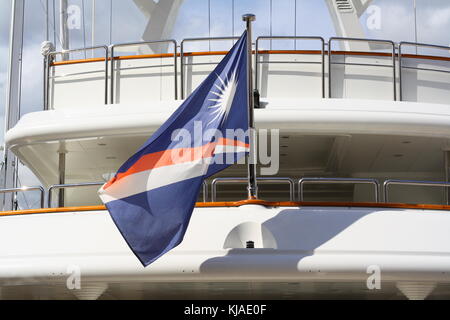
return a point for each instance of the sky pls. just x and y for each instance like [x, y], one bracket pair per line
[202, 18]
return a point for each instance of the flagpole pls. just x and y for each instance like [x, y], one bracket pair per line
[251, 159]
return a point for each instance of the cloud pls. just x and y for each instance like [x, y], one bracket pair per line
[438, 18]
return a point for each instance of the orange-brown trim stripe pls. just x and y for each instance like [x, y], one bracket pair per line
[249, 202]
[60, 63]
[214, 53]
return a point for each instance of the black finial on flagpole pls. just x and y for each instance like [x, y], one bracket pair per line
[251, 159]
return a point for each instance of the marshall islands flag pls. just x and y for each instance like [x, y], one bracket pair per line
[153, 194]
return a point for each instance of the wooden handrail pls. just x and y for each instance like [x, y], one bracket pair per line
[211, 53]
[249, 202]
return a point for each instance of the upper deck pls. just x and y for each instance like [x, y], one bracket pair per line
[379, 114]
[404, 71]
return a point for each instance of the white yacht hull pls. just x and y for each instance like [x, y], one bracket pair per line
[350, 251]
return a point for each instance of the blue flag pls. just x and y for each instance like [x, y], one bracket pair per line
[153, 194]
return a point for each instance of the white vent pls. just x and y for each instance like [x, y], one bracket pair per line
[344, 5]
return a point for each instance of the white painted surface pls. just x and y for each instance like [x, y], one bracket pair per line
[146, 81]
[311, 243]
[313, 116]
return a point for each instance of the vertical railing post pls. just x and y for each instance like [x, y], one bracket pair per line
[400, 67]
[62, 176]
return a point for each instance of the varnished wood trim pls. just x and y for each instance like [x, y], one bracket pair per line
[249, 202]
[214, 53]
[51, 210]
[66, 62]
[290, 52]
[424, 57]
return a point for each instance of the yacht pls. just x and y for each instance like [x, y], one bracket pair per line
[358, 207]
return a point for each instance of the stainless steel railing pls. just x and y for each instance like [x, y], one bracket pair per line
[386, 42]
[394, 52]
[93, 184]
[245, 180]
[67, 186]
[322, 53]
[112, 47]
[47, 64]
[26, 189]
[303, 181]
[391, 182]
[182, 56]
[384, 191]
[401, 58]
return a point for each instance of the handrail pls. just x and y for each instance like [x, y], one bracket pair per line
[72, 185]
[142, 43]
[109, 56]
[260, 179]
[322, 52]
[373, 182]
[330, 62]
[26, 189]
[182, 75]
[93, 184]
[401, 56]
[47, 66]
[390, 182]
[290, 181]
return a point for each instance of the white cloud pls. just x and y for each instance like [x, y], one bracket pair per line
[439, 18]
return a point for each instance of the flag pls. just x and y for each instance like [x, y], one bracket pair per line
[153, 194]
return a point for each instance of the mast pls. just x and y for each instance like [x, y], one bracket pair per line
[12, 106]
[63, 29]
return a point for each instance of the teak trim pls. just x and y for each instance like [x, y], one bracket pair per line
[248, 202]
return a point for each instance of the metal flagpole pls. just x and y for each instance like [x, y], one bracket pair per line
[251, 159]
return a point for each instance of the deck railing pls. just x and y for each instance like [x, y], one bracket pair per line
[85, 185]
[142, 43]
[396, 53]
[389, 43]
[302, 38]
[27, 189]
[402, 58]
[373, 182]
[183, 55]
[49, 62]
[380, 194]
[241, 180]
